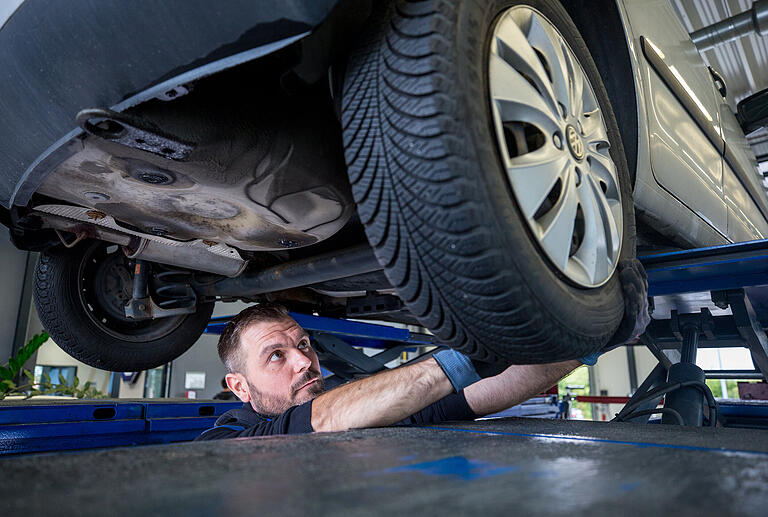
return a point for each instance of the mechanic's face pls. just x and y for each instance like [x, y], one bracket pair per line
[281, 369]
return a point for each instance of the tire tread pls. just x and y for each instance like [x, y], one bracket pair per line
[407, 167]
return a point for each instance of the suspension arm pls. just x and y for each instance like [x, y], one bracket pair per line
[321, 268]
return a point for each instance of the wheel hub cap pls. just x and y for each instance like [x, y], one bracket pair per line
[575, 143]
[554, 146]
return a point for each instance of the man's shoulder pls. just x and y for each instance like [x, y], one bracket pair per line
[244, 416]
[247, 422]
[233, 422]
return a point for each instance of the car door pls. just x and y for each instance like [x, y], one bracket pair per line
[683, 123]
[745, 197]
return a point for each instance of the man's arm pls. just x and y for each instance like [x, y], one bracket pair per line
[514, 385]
[381, 400]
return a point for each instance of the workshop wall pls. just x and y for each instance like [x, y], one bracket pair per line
[13, 275]
[203, 358]
[645, 362]
[51, 355]
[132, 390]
[610, 376]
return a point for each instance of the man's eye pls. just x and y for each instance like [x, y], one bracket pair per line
[275, 356]
[303, 345]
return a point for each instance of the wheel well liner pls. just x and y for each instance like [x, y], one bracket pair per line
[604, 35]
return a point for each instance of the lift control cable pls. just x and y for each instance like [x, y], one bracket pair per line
[629, 409]
[661, 410]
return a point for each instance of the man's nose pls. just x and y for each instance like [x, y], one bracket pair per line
[300, 361]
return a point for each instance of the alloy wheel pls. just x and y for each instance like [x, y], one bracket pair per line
[554, 146]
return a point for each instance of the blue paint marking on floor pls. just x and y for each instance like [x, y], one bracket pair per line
[629, 487]
[596, 440]
[457, 467]
[542, 474]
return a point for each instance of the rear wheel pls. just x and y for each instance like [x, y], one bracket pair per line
[80, 295]
[490, 176]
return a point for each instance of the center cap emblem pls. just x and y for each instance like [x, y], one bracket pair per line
[575, 143]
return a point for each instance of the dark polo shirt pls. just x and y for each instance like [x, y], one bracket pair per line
[245, 421]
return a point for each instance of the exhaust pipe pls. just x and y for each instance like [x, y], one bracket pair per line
[346, 263]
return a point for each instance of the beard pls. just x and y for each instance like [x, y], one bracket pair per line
[272, 405]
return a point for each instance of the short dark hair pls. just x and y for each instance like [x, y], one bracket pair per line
[229, 341]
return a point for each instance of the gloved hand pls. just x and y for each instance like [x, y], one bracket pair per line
[634, 285]
[457, 367]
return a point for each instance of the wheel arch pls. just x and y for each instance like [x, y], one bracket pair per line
[601, 25]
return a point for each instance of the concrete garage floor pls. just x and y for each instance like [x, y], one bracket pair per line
[503, 467]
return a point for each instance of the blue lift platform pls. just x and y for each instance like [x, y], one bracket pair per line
[729, 279]
[709, 297]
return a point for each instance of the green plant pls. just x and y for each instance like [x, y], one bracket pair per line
[15, 366]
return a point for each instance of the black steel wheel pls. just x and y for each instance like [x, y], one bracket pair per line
[80, 295]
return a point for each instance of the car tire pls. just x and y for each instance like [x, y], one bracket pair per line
[425, 157]
[74, 294]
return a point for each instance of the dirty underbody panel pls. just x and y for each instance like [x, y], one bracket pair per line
[264, 175]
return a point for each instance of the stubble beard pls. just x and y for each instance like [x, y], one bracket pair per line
[271, 405]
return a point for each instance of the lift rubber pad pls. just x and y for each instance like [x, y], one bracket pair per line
[515, 466]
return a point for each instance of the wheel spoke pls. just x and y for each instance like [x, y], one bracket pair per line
[516, 99]
[593, 246]
[595, 134]
[544, 39]
[610, 217]
[599, 248]
[575, 84]
[558, 224]
[513, 47]
[533, 175]
[603, 168]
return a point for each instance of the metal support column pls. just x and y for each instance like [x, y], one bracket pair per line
[687, 401]
[632, 367]
[114, 385]
[749, 328]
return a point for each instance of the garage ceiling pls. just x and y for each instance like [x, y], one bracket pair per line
[742, 62]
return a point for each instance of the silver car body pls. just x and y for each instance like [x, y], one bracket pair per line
[699, 187]
[684, 181]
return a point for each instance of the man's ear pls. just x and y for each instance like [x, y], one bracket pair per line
[238, 385]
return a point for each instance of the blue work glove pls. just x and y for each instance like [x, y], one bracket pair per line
[634, 285]
[457, 367]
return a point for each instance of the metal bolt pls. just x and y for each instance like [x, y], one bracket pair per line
[96, 196]
[557, 140]
[156, 230]
[142, 307]
[288, 243]
[155, 178]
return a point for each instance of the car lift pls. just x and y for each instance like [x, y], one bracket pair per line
[728, 272]
[494, 464]
[732, 275]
